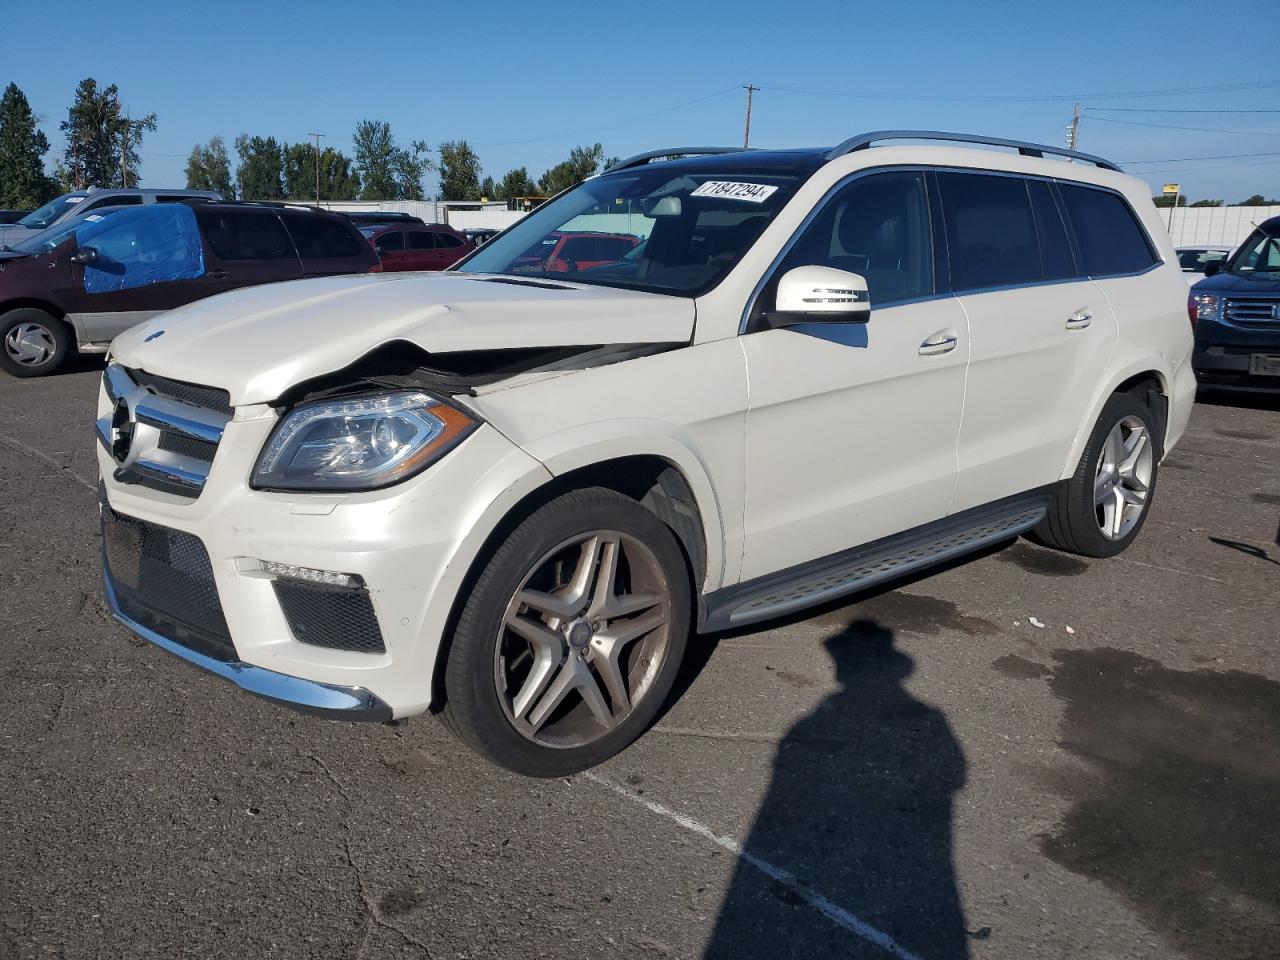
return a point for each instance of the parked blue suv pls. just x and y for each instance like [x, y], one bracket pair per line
[1236, 313]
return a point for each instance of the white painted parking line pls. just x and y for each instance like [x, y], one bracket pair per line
[823, 905]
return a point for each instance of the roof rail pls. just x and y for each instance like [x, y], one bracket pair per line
[643, 158]
[864, 140]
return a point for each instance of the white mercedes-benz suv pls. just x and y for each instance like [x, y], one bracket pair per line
[509, 492]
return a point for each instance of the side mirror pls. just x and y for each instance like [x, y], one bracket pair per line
[1213, 268]
[85, 255]
[821, 295]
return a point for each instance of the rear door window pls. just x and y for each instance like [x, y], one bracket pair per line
[319, 238]
[447, 240]
[1108, 235]
[389, 242]
[245, 235]
[991, 232]
[421, 240]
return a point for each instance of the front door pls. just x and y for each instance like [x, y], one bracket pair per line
[852, 427]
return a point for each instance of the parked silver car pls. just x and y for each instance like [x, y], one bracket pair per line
[81, 202]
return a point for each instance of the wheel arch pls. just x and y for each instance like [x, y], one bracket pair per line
[19, 303]
[656, 481]
[1150, 381]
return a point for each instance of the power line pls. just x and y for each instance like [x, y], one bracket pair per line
[1223, 156]
[1044, 98]
[1220, 166]
[1171, 126]
[613, 123]
[1171, 110]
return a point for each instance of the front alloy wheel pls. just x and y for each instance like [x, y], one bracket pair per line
[571, 637]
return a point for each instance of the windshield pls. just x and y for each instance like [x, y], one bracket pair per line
[663, 231]
[51, 211]
[47, 240]
[1259, 257]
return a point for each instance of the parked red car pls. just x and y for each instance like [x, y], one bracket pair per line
[434, 246]
[569, 252]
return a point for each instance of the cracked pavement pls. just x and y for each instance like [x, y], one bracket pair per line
[925, 759]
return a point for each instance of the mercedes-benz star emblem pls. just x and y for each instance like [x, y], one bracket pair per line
[121, 431]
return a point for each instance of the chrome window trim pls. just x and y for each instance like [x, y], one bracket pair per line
[936, 168]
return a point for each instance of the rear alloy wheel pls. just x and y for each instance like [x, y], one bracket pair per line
[572, 636]
[32, 343]
[1099, 511]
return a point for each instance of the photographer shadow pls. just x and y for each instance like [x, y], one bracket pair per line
[859, 809]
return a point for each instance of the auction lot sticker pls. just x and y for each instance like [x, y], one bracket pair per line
[750, 192]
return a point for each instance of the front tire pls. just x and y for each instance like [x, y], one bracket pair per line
[572, 636]
[33, 343]
[1101, 509]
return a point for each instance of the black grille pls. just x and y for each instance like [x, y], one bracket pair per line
[187, 446]
[1252, 311]
[163, 580]
[211, 398]
[340, 619]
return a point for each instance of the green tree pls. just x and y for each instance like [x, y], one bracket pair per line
[517, 183]
[1207, 203]
[209, 169]
[337, 180]
[459, 171]
[1257, 201]
[487, 188]
[388, 171]
[260, 175]
[23, 182]
[582, 163]
[1166, 200]
[102, 140]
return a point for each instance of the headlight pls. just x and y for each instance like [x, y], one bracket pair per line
[1208, 306]
[360, 443]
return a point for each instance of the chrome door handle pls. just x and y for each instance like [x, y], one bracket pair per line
[938, 343]
[1079, 320]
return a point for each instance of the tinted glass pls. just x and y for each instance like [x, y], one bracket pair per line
[421, 240]
[319, 238]
[695, 224]
[390, 242]
[447, 240]
[1108, 236]
[878, 227]
[991, 233]
[121, 201]
[245, 235]
[1055, 248]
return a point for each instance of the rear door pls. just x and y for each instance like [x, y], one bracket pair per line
[424, 252]
[328, 245]
[1042, 332]
[244, 248]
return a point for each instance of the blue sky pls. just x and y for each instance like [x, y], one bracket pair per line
[526, 82]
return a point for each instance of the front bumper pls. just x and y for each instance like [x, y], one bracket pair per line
[1222, 352]
[410, 546]
[307, 696]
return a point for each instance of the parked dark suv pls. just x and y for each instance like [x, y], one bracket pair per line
[1236, 310]
[110, 272]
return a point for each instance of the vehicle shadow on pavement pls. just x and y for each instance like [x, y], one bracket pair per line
[860, 810]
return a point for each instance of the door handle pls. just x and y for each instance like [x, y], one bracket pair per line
[1079, 320]
[943, 342]
[217, 274]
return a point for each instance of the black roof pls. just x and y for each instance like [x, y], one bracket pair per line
[802, 159]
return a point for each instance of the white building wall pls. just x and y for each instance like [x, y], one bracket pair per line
[1205, 226]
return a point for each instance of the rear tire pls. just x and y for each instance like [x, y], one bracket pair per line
[571, 637]
[33, 343]
[1101, 509]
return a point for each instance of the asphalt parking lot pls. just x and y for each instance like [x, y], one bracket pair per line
[925, 773]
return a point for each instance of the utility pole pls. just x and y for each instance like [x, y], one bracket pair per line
[746, 133]
[317, 136]
[1073, 136]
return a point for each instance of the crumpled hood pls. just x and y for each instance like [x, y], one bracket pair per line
[259, 341]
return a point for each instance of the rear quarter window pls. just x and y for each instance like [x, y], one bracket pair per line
[1108, 235]
[319, 238]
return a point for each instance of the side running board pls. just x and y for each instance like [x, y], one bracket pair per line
[862, 567]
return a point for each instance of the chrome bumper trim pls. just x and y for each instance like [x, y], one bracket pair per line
[306, 696]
